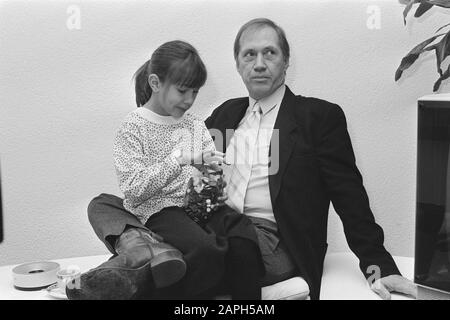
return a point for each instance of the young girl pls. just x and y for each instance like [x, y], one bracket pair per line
[154, 152]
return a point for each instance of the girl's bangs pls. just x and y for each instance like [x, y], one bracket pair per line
[190, 73]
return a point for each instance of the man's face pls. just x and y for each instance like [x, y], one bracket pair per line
[260, 62]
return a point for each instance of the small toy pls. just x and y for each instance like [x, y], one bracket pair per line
[204, 188]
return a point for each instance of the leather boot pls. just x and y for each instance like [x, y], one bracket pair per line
[142, 264]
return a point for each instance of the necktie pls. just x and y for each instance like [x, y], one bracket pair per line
[240, 155]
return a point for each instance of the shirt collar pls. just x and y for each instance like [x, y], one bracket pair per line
[156, 118]
[268, 103]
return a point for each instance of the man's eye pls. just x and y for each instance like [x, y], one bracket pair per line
[249, 54]
[182, 91]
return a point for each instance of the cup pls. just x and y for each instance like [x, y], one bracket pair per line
[68, 277]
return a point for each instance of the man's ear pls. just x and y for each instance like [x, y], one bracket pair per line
[286, 66]
[154, 82]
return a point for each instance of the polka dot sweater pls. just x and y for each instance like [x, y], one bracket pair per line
[149, 175]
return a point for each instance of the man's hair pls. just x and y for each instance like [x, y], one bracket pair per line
[259, 23]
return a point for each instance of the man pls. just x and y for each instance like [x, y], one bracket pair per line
[315, 165]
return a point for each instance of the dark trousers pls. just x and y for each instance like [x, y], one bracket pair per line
[225, 251]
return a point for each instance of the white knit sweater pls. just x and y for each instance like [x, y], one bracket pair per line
[149, 176]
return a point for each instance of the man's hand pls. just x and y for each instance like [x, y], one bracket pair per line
[394, 283]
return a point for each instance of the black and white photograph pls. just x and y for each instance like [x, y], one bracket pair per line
[240, 152]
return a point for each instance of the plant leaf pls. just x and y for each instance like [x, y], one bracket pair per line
[423, 7]
[439, 3]
[408, 8]
[448, 24]
[412, 56]
[442, 50]
[444, 76]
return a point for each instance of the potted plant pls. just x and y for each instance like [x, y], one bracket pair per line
[441, 48]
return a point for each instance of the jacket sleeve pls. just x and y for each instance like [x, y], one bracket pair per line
[138, 178]
[348, 195]
[209, 122]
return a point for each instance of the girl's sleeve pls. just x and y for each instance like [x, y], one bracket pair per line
[138, 178]
[207, 141]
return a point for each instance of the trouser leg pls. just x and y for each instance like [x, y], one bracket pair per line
[242, 262]
[141, 263]
[204, 252]
[278, 263]
[109, 219]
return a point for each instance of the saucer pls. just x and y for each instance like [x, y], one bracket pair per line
[56, 292]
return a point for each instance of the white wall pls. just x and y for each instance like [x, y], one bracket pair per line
[64, 92]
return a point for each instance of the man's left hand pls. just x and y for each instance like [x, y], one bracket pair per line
[394, 283]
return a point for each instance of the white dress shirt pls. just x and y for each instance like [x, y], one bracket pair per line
[257, 201]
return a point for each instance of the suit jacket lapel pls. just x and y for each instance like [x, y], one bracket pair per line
[281, 147]
[235, 113]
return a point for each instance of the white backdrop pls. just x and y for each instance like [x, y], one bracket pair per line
[65, 85]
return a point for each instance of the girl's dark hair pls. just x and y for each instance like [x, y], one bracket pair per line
[175, 61]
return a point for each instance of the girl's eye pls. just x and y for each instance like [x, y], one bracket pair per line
[182, 91]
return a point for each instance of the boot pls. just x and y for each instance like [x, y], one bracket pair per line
[142, 264]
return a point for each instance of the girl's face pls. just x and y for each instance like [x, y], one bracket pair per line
[174, 100]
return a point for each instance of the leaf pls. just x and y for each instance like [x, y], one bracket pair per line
[439, 3]
[442, 50]
[408, 8]
[412, 56]
[423, 7]
[448, 24]
[444, 76]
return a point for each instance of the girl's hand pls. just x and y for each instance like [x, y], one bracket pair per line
[210, 158]
[213, 159]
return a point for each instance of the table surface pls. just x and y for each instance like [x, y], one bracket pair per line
[342, 279]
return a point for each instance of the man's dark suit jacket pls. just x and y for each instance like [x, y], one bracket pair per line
[316, 166]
